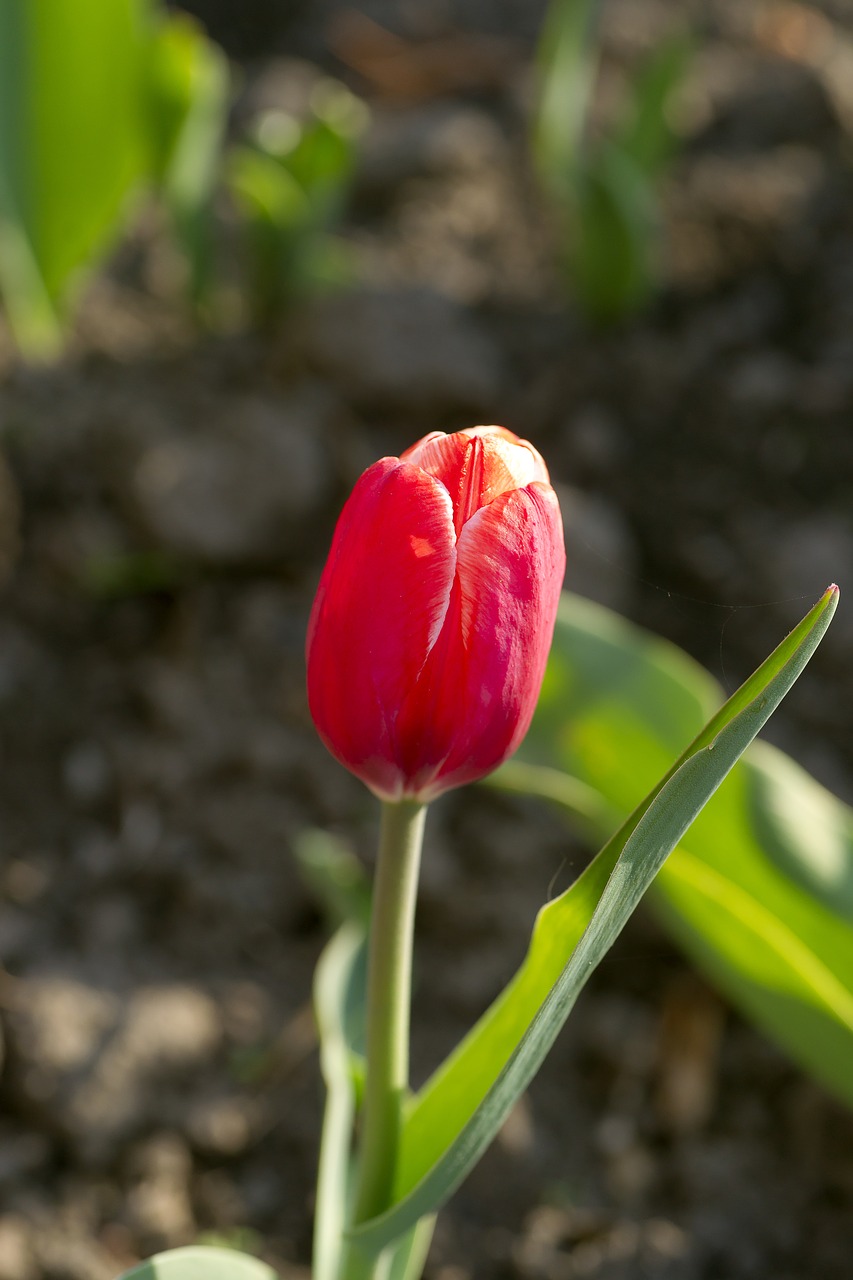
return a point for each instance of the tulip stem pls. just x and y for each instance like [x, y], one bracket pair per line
[389, 980]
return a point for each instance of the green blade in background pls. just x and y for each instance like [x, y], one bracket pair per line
[567, 63]
[198, 1262]
[339, 1003]
[339, 987]
[460, 1110]
[188, 84]
[647, 135]
[760, 891]
[70, 144]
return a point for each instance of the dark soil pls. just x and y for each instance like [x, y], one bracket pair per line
[165, 507]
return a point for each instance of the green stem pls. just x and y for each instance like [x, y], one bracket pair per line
[389, 986]
[389, 983]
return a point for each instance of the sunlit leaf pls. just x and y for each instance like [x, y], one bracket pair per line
[198, 1262]
[459, 1111]
[760, 891]
[188, 91]
[567, 63]
[70, 146]
[339, 986]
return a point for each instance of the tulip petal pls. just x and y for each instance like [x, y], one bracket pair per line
[382, 600]
[540, 471]
[477, 465]
[510, 565]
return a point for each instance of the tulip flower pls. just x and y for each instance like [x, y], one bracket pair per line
[435, 612]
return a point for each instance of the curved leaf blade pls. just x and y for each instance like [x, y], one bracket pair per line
[338, 1004]
[772, 837]
[779, 976]
[70, 150]
[199, 1262]
[588, 918]
[805, 830]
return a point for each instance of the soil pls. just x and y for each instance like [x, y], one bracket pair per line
[165, 506]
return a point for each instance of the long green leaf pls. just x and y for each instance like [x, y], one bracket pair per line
[198, 1262]
[339, 1004]
[188, 106]
[760, 892]
[567, 63]
[610, 249]
[780, 976]
[647, 135]
[459, 1111]
[70, 142]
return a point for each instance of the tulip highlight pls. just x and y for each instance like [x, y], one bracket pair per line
[432, 623]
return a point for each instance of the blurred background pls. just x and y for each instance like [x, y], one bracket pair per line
[245, 250]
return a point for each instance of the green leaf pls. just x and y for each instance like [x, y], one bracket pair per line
[339, 995]
[334, 875]
[339, 1002]
[197, 1262]
[408, 1256]
[70, 146]
[460, 1110]
[324, 155]
[611, 235]
[567, 64]
[760, 891]
[803, 828]
[647, 136]
[188, 91]
[265, 190]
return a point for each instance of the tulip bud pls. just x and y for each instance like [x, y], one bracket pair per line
[434, 616]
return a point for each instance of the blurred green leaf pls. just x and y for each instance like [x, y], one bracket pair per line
[452, 1120]
[198, 1262]
[647, 135]
[277, 217]
[340, 1006]
[760, 890]
[567, 64]
[70, 147]
[243, 1239]
[335, 876]
[188, 94]
[339, 1001]
[806, 830]
[116, 575]
[290, 185]
[610, 242]
[603, 188]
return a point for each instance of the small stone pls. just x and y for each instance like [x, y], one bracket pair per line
[16, 1257]
[21, 1154]
[86, 773]
[24, 881]
[141, 829]
[68, 1257]
[93, 1063]
[411, 347]
[236, 491]
[763, 380]
[158, 1203]
[596, 439]
[220, 1127]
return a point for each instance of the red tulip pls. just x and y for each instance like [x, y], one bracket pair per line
[434, 616]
